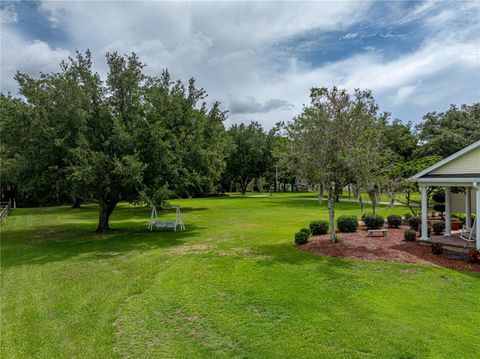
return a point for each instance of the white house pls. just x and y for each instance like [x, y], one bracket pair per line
[462, 169]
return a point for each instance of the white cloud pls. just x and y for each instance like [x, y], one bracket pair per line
[8, 14]
[231, 49]
[31, 57]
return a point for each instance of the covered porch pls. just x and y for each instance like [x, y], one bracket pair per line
[460, 171]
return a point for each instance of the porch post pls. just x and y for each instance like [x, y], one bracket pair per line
[448, 212]
[424, 234]
[468, 207]
[477, 230]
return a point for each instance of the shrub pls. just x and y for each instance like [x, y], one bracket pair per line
[414, 222]
[394, 221]
[437, 248]
[305, 230]
[410, 235]
[363, 216]
[408, 215]
[438, 228]
[301, 237]
[439, 207]
[319, 227]
[473, 256]
[462, 217]
[439, 197]
[373, 222]
[347, 223]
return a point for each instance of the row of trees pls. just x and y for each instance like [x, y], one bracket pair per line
[131, 137]
[74, 136]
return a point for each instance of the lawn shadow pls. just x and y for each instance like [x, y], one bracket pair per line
[62, 242]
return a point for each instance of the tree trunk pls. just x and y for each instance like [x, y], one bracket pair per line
[243, 187]
[105, 209]
[76, 201]
[373, 200]
[360, 200]
[331, 214]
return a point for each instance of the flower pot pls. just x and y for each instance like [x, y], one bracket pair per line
[456, 225]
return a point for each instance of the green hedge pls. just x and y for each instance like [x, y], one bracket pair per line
[373, 221]
[319, 227]
[347, 223]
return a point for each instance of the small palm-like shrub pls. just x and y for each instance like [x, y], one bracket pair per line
[438, 228]
[414, 222]
[437, 248]
[302, 237]
[319, 227]
[373, 221]
[410, 235]
[394, 221]
[347, 223]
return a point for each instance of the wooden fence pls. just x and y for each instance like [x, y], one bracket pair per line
[5, 207]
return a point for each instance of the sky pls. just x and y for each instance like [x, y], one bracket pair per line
[260, 59]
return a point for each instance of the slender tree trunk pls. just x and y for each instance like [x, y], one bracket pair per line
[331, 214]
[243, 186]
[349, 192]
[105, 209]
[76, 201]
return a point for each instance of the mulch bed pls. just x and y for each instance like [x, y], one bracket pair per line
[392, 248]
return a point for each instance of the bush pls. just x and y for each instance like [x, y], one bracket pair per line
[414, 222]
[301, 237]
[306, 230]
[347, 223]
[473, 256]
[462, 217]
[410, 235]
[438, 228]
[439, 207]
[319, 227]
[373, 222]
[394, 221]
[437, 248]
[408, 215]
[439, 197]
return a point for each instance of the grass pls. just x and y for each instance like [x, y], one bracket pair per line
[232, 285]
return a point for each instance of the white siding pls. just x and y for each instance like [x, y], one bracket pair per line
[458, 201]
[468, 163]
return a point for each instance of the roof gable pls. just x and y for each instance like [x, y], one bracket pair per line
[466, 161]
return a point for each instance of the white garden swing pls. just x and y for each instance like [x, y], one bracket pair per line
[166, 224]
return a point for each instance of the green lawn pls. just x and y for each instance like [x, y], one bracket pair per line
[232, 285]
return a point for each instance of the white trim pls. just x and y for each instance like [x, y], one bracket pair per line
[445, 182]
[446, 160]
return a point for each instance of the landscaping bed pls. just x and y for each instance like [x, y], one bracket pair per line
[393, 248]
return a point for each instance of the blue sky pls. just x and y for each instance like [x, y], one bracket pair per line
[261, 59]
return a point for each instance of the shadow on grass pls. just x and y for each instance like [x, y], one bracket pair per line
[62, 242]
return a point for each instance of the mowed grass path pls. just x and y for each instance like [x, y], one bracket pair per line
[232, 285]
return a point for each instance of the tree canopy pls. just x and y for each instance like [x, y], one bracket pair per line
[131, 137]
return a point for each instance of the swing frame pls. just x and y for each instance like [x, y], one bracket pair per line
[166, 224]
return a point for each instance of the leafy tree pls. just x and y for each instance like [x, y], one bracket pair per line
[250, 155]
[132, 137]
[447, 132]
[337, 140]
[399, 138]
[402, 171]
